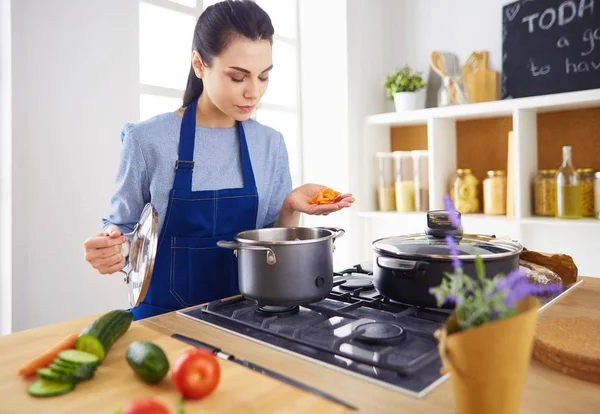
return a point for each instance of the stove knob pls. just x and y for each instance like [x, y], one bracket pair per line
[319, 281]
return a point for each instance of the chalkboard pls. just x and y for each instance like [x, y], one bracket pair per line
[550, 46]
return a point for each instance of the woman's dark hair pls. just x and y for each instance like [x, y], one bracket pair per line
[217, 26]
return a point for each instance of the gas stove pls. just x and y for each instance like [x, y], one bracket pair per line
[355, 330]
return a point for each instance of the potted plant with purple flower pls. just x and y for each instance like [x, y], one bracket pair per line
[486, 343]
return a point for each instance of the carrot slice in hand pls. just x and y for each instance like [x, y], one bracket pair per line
[47, 357]
[325, 196]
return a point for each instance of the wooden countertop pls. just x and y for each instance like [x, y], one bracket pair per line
[546, 391]
[244, 391]
[240, 390]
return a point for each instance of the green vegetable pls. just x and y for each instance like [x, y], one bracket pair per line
[46, 388]
[98, 337]
[148, 361]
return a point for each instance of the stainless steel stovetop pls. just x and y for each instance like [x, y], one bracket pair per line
[355, 330]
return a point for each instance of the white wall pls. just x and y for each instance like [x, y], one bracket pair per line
[324, 79]
[5, 169]
[75, 83]
[345, 55]
[459, 27]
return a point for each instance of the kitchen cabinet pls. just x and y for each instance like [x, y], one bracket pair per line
[476, 136]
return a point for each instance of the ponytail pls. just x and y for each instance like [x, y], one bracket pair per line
[194, 88]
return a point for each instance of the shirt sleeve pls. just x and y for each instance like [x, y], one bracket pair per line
[132, 185]
[282, 184]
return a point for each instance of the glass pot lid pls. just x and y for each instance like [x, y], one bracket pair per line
[142, 252]
[431, 247]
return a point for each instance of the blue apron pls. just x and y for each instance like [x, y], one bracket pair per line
[189, 268]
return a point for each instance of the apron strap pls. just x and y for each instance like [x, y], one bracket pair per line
[184, 166]
[249, 181]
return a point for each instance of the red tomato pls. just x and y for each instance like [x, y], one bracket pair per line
[145, 406]
[196, 373]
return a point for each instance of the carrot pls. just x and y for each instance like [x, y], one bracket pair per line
[325, 196]
[48, 356]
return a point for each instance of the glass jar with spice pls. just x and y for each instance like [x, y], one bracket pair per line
[494, 192]
[545, 193]
[586, 176]
[421, 174]
[464, 192]
[386, 191]
[404, 180]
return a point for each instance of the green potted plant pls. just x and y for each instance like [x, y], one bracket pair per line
[406, 88]
[487, 341]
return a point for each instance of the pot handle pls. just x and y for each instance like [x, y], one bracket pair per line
[337, 232]
[407, 269]
[271, 259]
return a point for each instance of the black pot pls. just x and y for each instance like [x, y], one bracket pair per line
[405, 267]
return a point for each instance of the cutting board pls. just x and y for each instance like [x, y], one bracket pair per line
[570, 345]
[240, 390]
[482, 83]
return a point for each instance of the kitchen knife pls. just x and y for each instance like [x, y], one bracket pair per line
[275, 375]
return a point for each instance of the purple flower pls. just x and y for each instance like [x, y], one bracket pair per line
[518, 287]
[449, 299]
[454, 218]
[514, 277]
[456, 263]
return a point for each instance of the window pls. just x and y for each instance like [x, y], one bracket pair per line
[165, 62]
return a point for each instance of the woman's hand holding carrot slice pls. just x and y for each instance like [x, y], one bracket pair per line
[317, 199]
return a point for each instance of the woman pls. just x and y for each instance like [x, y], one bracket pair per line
[208, 169]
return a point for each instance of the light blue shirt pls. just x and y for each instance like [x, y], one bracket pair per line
[147, 158]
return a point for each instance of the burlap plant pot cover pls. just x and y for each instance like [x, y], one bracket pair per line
[488, 364]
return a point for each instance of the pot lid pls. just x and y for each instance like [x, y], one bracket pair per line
[142, 253]
[435, 247]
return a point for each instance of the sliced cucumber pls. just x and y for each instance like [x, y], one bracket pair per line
[46, 388]
[77, 357]
[50, 375]
[64, 369]
[64, 363]
[60, 370]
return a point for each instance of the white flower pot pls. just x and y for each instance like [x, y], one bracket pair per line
[408, 101]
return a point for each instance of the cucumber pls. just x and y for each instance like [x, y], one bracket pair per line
[64, 364]
[46, 388]
[99, 336]
[51, 375]
[60, 370]
[148, 361]
[78, 357]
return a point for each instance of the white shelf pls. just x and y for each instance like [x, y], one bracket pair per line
[391, 214]
[578, 238]
[591, 223]
[467, 218]
[544, 103]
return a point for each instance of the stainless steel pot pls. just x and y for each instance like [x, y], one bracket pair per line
[285, 266]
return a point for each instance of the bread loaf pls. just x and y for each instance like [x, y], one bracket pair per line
[561, 264]
[539, 274]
